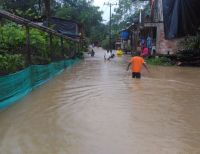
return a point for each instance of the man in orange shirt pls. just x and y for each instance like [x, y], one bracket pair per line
[136, 64]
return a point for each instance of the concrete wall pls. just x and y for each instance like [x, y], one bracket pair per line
[164, 46]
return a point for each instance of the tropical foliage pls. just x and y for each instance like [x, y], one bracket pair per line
[127, 13]
[13, 41]
[13, 37]
[11, 63]
[191, 42]
[81, 11]
[163, 61]
[189, 53]
[106, 44]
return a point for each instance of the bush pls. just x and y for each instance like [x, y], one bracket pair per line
[85, 45]
[13, 46]
[80, 55]
[164, 61]
[191, 42]
[13, 41]
[11, 63]
[189, 53]
[106, 44]
[12, 38]
[38, 46]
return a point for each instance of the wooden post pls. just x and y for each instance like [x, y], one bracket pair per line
[62, 48]
[76, 48]
[29, 62]
[136, 39]
[51, 47]
[79, 47]
[75, 51]
[131, 42]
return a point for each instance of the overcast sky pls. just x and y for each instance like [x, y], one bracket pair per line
[105, 8]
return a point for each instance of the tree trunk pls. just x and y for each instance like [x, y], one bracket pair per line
[47, 10]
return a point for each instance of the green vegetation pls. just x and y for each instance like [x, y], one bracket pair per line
[13, 37]
[13, 41]
[189, 53]
[163, 61]
[191, 42]
[13, 48]
[11, 63]
[106, 44]
[28, 9]
[127, 13]
[81, 11]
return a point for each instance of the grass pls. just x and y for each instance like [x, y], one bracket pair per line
[163, 61]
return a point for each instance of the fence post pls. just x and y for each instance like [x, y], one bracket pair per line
[29, 62]
[76, 48]
[51, 47]
[62, 48]
[79, 47]
[131, 42]
[62, 51]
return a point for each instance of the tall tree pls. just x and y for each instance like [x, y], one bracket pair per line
[25, 8]
[47, 5]
[83, 12]
[127, 11]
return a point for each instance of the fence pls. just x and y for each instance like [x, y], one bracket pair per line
[15, 86]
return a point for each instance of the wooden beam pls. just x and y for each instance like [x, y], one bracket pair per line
[29, 23]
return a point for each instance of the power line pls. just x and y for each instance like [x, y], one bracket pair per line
[110, 5]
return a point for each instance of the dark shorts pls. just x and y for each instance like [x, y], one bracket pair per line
[136, 75]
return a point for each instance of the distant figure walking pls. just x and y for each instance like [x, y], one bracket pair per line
[107, 55]
[145, 52]
[142, 43]
[92, 53]
[149, 43]
[136, 64]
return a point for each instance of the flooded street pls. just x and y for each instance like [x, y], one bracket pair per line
[96, 107]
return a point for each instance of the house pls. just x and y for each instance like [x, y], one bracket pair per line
[156, 25]
[152, 25]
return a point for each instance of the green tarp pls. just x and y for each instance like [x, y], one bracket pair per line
[15, 86]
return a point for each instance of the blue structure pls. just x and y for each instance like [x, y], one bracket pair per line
[124, 35]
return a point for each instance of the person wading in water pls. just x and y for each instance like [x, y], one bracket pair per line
[107, 55]
[136, 63]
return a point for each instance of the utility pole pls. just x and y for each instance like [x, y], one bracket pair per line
[110, 33]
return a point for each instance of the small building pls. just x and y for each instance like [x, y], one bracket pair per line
[167, 23]
[67, 27]
[124, 38]
[155, 24]
[152, 25]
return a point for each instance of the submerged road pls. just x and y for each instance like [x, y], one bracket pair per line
[96, 108]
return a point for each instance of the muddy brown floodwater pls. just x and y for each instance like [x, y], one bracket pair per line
[96, 108]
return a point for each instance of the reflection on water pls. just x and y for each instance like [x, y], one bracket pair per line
[96, 108]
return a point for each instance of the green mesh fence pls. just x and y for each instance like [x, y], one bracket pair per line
[15, 86]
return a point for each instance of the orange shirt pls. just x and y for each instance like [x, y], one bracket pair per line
[136, 63]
